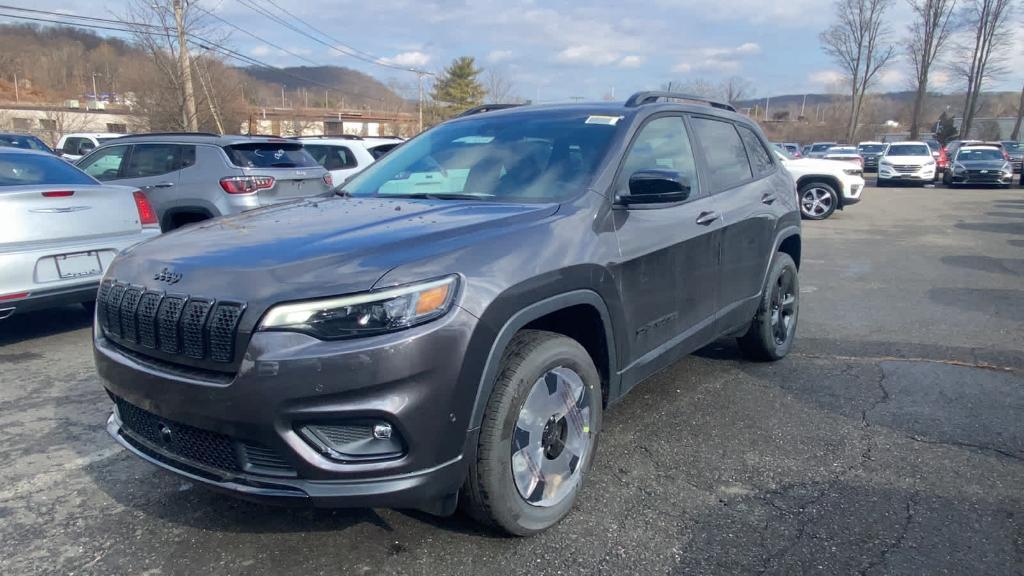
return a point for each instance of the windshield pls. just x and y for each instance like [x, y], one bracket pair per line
[970, 154]
[378, 151]
[536, 159]
[24, 142]
[842, 150]
[909, 150]
[871, 148]
[270, 155]
[23, 169]
[103, 141]
[821, 147]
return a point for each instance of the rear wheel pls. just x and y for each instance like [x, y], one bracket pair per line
[773, 328]
[817, 200]
[538, 436]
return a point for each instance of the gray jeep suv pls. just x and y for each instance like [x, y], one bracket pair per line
[191, 177]
[449, 327]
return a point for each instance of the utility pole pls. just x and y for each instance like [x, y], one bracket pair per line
[420, 79]
[17, 96]
[185, 68]
[95, 93]
[803, 105]
[305, 95]
[767, 104]
[283, 86]
[326, 99]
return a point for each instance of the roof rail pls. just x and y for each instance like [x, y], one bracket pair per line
[148, 134]
[641, 98]
[322, 136]
[486, 108]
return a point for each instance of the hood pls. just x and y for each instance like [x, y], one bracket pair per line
[313, 248]
[982, 164]
[819, 164]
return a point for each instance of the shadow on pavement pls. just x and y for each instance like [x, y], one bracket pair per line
[997, 303]
[994, 227]
[21, 327]
[1008, 266]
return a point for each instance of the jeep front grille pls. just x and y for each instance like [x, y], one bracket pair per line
[173, 324]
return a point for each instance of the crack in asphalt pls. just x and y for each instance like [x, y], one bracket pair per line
[969, 446]
[883, 399]
[875, 359]
[883, 557]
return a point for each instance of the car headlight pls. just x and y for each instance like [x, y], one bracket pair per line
[929, 164]
[884, 163]
[853, 171]
[958, 167]
[364, 314]
[1007, 168]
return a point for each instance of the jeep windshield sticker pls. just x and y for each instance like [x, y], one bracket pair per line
[603, 120]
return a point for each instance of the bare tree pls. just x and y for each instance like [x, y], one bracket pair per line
[988, 36]
[736, 88]
[930, 32]
[1015, 135]
[693, 87]
[499, 88]
[859, 43]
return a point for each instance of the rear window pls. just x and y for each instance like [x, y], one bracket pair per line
[25, 142]
[378, 151]
[871, 148]
[30, 169]
[270, 155]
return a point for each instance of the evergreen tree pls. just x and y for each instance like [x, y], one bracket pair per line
[457, 88]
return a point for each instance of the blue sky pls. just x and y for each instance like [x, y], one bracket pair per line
[558, 49]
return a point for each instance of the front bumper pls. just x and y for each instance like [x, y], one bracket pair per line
[990, 178]
[923, 175]
[287, 382]
[853, 187]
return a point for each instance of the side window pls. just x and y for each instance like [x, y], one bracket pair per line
[152, 160]
[662, 144]
[727, 159]
[187, 156]
[332, 157]
[71, 145]
[760, 160]
[105, 164]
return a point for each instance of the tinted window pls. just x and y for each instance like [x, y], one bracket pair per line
[24, 142]
[378, 151]
[969, 154]
[152, 160]
[662, 144]
[760, 160]
[104, 164]
[723, 149]
[332, 157]
[520, 157]
[909, 150]
[871, 148]
[71, 145]
[270, 155]
[27, 169]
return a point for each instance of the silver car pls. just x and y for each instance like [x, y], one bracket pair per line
[191, 177]
[60, 229]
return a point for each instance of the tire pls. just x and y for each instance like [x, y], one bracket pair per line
[947, 178]
[817, 201]
[493, 493]
[767, 340]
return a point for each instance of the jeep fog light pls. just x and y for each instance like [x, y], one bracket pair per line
[354, 440]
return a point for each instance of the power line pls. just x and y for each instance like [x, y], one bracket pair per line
[375, 59]
[194, 39]
[257, 37]
[333, 45]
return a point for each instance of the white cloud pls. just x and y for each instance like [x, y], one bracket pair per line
[825, 78]
[592, 54]
[892, 79]
[631, 61]
[411, 59]
[496, 56]
[261, 50]
[716, 59]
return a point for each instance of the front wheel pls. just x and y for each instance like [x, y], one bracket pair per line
[773, 328]
[538, 436]
[947, 178]
[817, 201]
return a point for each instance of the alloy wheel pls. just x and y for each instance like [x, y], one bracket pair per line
[816, 201]
[783, 306]
[552, 436]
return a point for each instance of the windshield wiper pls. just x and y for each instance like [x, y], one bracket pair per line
[435, 196]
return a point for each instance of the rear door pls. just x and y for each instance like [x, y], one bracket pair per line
[296, 174]
[738, 164]
[107, 164]
[668, 269]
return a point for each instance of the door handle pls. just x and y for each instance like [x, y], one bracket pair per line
[707, 218]
[160, 185]
[768, 198]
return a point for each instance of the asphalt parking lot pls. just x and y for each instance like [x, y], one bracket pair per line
[890, 441]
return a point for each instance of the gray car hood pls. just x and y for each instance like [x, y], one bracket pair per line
[314, 248]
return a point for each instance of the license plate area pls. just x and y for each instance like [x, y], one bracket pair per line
[78, 265]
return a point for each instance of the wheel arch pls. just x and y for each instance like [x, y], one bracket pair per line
[551, 314]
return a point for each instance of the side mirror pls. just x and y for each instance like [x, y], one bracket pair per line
[656, 187]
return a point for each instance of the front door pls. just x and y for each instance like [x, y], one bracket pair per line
[668, 269]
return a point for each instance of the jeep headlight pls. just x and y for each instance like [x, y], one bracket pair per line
[364, 314]
[929, 164]
[853, 171]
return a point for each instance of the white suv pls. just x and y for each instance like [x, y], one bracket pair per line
[345, 156]
[72, 147]
[824, 185]
[906, 162]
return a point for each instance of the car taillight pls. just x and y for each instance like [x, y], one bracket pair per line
[147, 216]
[59, 194]
[246, 184]
[328, 180]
